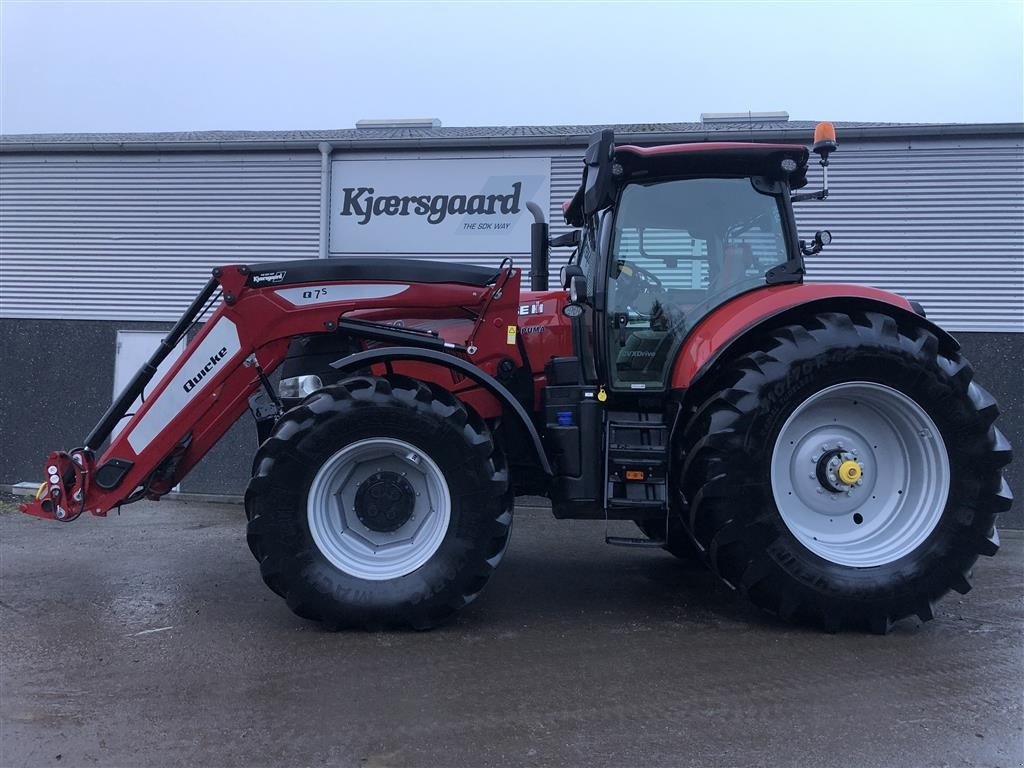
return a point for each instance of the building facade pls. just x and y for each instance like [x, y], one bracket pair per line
[104, 239]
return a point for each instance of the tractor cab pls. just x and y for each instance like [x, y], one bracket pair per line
[670, 233]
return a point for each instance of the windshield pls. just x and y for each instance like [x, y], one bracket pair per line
[680, 249]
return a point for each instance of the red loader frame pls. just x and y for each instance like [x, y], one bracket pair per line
[245, 339]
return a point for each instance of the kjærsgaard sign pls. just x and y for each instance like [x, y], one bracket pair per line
[422, 206]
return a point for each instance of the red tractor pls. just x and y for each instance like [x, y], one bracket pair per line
[824, 448]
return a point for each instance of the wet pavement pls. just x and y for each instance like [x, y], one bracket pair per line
[149, 640]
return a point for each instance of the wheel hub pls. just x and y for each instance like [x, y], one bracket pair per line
[379, 508]
[838, 471]
[850, 472]
[385, 501]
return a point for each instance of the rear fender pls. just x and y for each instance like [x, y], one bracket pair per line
[493, 386]
[737, 324]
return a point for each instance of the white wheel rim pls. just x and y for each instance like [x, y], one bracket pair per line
[345, 539]
[904, 474]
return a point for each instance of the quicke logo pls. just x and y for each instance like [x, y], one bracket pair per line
[215, 358]
[365, 203]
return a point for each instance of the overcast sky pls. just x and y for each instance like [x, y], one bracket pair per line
[189, 66]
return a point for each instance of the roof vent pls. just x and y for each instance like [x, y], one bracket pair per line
[744, 117]
[415, 122]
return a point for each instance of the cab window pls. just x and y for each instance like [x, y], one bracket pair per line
[679, 249]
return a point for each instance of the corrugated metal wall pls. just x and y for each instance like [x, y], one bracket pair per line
[938, 223]
[134, 236]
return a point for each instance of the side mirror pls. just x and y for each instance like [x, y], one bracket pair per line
[567, 273]
[568, 240]
[670, 261]
[578, 289]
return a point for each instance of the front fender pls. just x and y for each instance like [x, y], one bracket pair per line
[737, 320]
[481, 377]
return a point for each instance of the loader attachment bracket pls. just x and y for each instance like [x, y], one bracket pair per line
[62, 495]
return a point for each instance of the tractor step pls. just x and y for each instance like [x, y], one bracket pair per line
[643, 436]
[636, 465]
[643, 505]
[632, 541]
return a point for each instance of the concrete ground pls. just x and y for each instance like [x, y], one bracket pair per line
[149, 640]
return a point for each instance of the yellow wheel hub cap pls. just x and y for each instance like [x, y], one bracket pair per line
[850, 472]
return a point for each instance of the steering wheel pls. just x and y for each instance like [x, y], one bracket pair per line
[646, 288]
[639, 282]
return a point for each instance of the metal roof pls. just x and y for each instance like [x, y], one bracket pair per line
[355, 139]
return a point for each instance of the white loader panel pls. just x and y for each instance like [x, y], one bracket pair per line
[134, 348]
[214, 353]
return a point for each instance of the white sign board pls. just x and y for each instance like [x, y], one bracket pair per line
[414, 206]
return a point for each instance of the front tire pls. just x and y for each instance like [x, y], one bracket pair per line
[378, 503]
[859, 519]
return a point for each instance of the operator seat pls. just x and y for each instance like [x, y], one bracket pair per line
[737, 259]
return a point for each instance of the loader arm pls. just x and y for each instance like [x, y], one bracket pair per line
[245, 339]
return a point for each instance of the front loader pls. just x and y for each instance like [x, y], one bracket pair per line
[823, 448]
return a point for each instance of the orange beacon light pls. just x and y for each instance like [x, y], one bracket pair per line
[824, 141]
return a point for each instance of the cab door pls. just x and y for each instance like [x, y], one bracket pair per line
[677, 250]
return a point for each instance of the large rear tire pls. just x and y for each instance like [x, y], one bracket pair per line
[378, 503]
[846, 472]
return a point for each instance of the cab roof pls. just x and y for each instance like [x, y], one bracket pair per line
[711, 158]
[714, 157]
